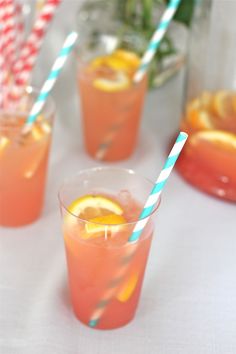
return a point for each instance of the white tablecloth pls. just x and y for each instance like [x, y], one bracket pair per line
[188, 303]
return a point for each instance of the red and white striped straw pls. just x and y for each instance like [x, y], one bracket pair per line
[8, 20]
[25, 63]
[20, 26]
[1, 67]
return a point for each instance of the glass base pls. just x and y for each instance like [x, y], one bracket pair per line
[103, 327]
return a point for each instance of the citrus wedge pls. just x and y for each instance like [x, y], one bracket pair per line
[104, 224]
[118, 83]
[128, 288]
[129, 58]
[234, 103]
[221, 104]
[224, 140]
[197, 117]
[99, 211]
[92, 206]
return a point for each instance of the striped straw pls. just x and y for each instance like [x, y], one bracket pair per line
[8, 15]
[151, 202]
[145, 61]
[20, 26]
[52, 77]
[2, 69]
[29, 53]
[156, 39]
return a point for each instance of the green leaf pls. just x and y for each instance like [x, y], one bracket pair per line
[185, 11]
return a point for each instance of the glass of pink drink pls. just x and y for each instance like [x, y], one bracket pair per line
[23, 162]
[100, 208]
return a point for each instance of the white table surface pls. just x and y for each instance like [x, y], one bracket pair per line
[188, 303]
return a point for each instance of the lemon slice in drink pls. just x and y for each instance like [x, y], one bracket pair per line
[98, 211]
[222, 139]
[119, 82]
[128, 288]
[104, 224]
[221, 104]
[92, 206]
[129, 58]
[197, 117]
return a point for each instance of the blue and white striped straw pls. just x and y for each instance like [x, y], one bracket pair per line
[151, 203]
[49, 83]
[159, 185]
[156, 39]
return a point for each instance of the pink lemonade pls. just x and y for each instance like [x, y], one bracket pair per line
[111, 104]
[94, 253]
[23, 166]
[208, 160]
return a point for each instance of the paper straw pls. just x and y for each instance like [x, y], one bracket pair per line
[2, 69]
[52, 77]
[156, 39]
[20, 26]
[29, 53]
[149, 206]
[145, 61]
[9, 31]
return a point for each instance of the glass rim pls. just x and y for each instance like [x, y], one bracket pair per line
[49, 107]
[104, 168]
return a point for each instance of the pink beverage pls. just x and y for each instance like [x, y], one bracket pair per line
[23, 162]
[97, 223]
[111, 104]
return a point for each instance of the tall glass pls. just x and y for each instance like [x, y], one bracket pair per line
[209, 158]
[110, 116]
[23, 161]
[106, 272]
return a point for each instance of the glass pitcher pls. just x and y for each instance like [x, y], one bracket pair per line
[209, 111]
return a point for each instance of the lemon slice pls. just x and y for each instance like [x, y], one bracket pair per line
[128, 288]
[221, 103]
[234, 103]
[127, 57]
[104, 224]
[197, 117]
[4, 142]
[222, 139]
[91, 206]
[120, 82]
[116, 63]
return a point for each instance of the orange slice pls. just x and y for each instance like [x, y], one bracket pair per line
[215, 151]
[234, 103]
[128, 288]
[91, 206]
[221, 139]
[106, 225]
[197, 117]
[221, 104]
[128, 57]
[118, 83]
[99, 211]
